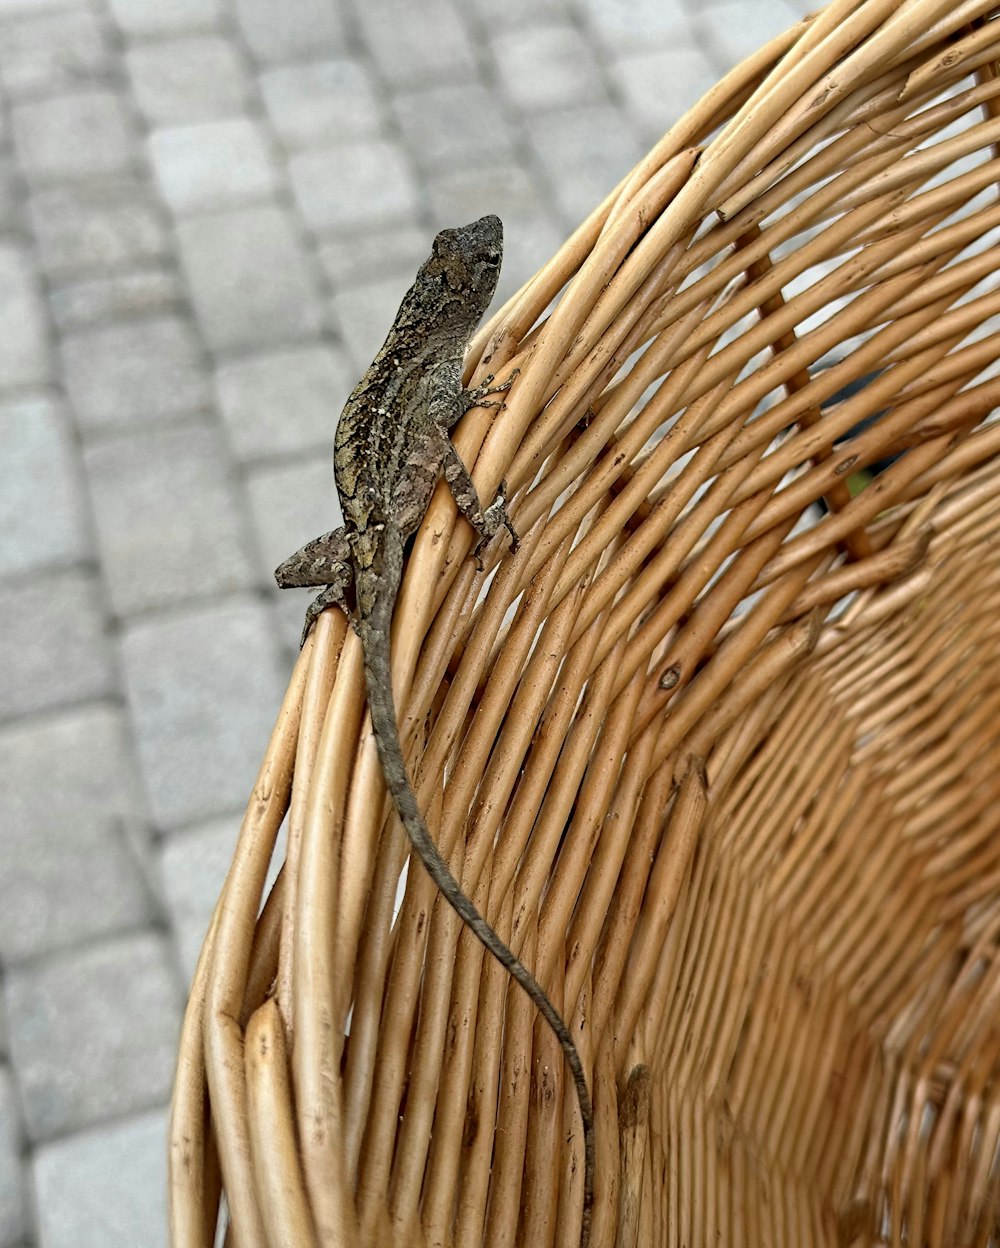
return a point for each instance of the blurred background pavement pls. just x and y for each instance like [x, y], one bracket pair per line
[209, 210]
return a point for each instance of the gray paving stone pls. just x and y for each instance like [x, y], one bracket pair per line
[193, 864]
[165, 17]
[543, 67]
[453, 124]
[14, 1217]
[348, 260]
[204, 685]
[734, 31]
[179, 81]
[414, 44]
[85, 134]
[56, 627]
[635, 25]
[12, 213]
[97, 226]
[135, 374]
[354, 185]
[93, 1032]
[54, 52]
[286, 32]
[531, 241]
[17, 8]
[42, 513]
[153, 551]
[585, 152]
[248, 278]
[24, 349]
[284, 401]
[364, 313]
[68, 871]
[105, 1188]
[212, 165]
[660, 86]
[292, 503]
[461, 194]
[320, 102]
[143, 292]
[516, 14]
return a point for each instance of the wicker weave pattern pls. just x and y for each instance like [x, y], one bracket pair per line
[741, 833]
[827, 1000]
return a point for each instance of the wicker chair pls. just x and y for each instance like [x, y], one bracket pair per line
[716, 751]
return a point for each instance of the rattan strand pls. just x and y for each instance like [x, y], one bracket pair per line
[715, 750]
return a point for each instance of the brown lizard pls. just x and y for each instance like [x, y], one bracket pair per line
[391, 445]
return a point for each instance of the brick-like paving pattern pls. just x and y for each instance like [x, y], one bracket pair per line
[208, 212]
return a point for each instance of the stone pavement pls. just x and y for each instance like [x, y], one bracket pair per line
[208, 212]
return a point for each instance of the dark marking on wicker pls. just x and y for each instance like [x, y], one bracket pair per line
[671, 676]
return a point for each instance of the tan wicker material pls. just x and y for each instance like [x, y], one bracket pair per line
[720, 763]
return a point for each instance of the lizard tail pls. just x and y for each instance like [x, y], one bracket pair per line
[381, 705]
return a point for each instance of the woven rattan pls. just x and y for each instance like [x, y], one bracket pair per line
[716, 751]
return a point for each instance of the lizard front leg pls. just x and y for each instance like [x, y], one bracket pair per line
[485, 522]
[476, 396]
[326, 561]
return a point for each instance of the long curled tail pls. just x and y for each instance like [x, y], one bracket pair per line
[378, 677]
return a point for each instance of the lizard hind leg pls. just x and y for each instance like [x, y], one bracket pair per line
[476, 396]
[486, 522]
[332, 596]
[497, 518]
[326, 561]
[323, 561]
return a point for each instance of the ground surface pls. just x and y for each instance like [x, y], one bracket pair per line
[208, 213]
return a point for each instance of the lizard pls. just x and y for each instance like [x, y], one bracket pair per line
[391, 446]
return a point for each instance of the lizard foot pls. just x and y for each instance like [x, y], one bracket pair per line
[474, 397]
[332, 596]
[325, 561]
[495, 517]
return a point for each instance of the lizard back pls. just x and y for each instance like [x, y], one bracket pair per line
[386, 439]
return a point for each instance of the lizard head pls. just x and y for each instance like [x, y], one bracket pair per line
[466, 262]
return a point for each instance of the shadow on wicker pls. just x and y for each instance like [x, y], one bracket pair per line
[716, 751]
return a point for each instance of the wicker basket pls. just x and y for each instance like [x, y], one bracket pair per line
[716, 751]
